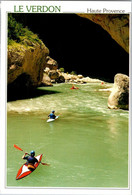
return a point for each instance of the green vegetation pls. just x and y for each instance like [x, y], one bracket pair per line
[61, 70]
[17, 33]
[73, 73]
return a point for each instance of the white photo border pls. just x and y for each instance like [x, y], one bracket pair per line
[67, 7]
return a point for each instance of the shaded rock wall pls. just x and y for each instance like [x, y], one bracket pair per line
[117, 25]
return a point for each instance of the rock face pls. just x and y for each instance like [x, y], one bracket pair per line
[51, 63]
[119, 97]
[53, 75]
[26, 65]
[61, 79]
[56, 76]
[117, 25]
[46, 81]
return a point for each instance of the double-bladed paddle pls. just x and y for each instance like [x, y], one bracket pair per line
[18, 148]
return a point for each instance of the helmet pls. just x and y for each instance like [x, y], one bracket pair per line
[53, 111]
[32, 153]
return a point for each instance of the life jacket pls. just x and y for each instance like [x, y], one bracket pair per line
[30, 166]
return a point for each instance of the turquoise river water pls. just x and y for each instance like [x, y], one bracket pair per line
[87, 146]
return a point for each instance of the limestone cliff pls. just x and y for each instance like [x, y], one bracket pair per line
[26, 64]
[117, 25]
[27, 58]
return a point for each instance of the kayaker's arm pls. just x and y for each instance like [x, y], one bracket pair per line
[24, 155]
[44, 163]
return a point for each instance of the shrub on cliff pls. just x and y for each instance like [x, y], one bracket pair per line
[17, 33]
[73, 73]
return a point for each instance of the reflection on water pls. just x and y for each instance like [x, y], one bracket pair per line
[112, 125]
[86, 147]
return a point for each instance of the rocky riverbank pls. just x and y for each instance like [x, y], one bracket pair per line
[118, 99]
[56, 76]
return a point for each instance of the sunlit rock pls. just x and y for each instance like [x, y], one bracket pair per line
[46, 81]
[51, 63]
[119, 97]
[26, 65]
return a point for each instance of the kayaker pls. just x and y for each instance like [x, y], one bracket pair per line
[52, 115]
[31, 160]
[73, 87]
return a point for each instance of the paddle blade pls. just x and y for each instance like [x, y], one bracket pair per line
[15, 146]
[45, 164]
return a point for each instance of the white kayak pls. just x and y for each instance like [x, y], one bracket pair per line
[51, 120]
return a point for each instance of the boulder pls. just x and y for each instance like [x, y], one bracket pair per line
[51, 63]
[80, 76]
[61, 79]
[119, 97]
[53, 75]
[66, 76]
[46, 70]
[46, 81]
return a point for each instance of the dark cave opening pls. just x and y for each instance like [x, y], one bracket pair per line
[78, 44]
